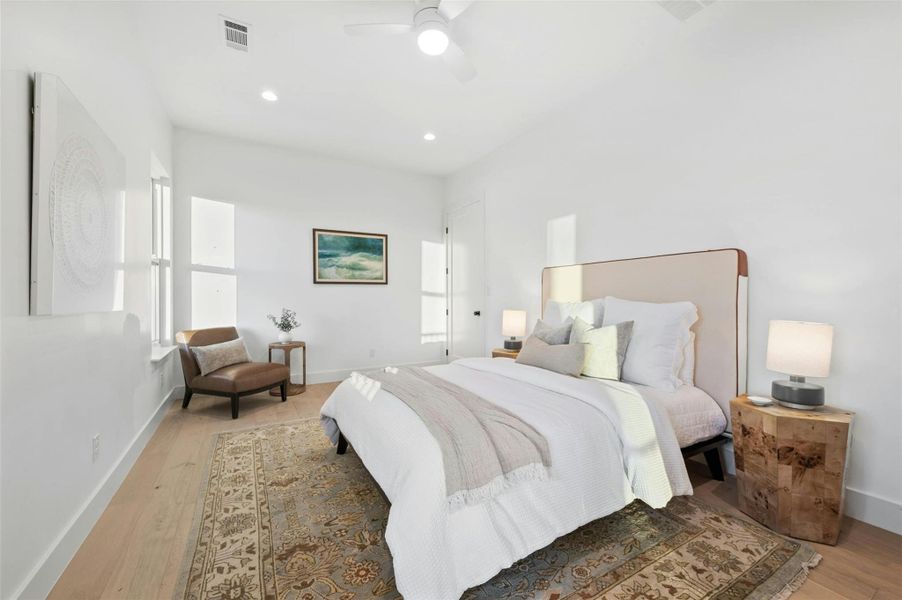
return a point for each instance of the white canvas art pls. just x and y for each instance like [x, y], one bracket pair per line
[78, 206]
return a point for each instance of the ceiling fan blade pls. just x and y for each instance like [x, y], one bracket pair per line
[378, 29]
[452, 8]
[458, 64]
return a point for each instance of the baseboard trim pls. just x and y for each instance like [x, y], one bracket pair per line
[43, 577]
[341, 374]
[878, 511]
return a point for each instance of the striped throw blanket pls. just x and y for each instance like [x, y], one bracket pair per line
[485, 448]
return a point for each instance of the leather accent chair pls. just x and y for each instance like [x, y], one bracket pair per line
[232, 381]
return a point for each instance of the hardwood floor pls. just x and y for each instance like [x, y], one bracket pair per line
[135, 550]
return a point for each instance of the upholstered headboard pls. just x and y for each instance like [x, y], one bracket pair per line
[715, 280]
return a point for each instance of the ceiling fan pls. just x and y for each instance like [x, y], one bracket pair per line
[431, 23]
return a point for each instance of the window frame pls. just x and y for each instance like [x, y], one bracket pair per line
[161, 262]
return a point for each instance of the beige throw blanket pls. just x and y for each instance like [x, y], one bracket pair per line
[484, 448]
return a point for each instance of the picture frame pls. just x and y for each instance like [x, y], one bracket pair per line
[77, 208]
[350, 257]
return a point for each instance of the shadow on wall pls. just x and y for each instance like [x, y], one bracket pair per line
[560, 241]
[565, 285]
[132, 363]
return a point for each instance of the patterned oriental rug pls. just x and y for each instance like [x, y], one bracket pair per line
[283, 516]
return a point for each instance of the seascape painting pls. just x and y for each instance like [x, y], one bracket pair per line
[349, 257]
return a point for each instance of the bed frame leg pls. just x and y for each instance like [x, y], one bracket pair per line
[343, 445]
[712, 457]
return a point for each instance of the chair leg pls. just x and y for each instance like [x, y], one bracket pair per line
[712, 457]
[342, 444]
[234, 406]
[283, 389]
[188, 393]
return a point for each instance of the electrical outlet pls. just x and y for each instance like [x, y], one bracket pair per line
[95, 447]
[372, 353]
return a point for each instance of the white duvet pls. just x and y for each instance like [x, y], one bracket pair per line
[608, 444]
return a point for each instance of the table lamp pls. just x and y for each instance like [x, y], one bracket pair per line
[513, 324]
[800, 350]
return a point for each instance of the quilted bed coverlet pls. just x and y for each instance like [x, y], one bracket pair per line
[608, 444]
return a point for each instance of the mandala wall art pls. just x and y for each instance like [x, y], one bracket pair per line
[78, 207]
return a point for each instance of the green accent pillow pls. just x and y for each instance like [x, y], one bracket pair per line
[605, 347]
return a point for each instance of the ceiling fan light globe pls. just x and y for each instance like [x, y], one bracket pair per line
[433, 42]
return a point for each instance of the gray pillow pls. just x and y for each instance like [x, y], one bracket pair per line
[553, 335]
[605, 347]
[216, 356]
[561, 358]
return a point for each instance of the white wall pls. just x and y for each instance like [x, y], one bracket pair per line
[280, 196]
[66, 379]
[776, 130]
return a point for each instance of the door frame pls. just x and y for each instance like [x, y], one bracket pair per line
[476, 199]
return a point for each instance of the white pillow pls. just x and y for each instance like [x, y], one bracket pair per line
[687, 371]
[216, 356]
[660, 333]
[590, 311]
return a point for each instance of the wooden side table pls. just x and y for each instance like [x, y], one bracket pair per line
[790, 467]
[293, 388]
[502, 353]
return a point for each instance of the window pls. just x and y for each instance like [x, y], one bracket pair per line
[161, 264]
[214, 283]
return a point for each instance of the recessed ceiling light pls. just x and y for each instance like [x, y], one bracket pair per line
[269, 95]
[429, 137]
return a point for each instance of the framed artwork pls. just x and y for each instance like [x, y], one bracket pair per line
[77, 208]
[349, 257]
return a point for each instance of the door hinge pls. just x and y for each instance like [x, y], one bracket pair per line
[446, 230]
[446, 312]
[446, 352]
[446, 270]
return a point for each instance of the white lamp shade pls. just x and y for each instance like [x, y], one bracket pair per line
[513, 323]
[800, 348]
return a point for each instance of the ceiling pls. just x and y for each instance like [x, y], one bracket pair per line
[372, 99]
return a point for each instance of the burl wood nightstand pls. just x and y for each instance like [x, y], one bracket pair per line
[790, 467]
[502, 353]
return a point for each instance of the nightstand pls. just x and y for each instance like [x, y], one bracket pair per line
[286, 347]
[502, 353]
[791, 466]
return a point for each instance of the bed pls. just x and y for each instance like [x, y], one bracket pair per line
[610, 442]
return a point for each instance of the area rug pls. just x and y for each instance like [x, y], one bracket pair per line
[282, 516]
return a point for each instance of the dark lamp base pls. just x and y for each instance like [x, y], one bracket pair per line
[797, 394]
[513, 344]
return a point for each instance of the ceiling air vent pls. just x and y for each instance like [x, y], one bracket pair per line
[235, 34]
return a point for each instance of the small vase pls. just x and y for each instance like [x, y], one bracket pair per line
[284, 337]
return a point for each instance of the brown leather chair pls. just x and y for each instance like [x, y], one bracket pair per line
[233, 381]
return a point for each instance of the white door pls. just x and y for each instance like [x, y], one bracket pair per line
[466, 281]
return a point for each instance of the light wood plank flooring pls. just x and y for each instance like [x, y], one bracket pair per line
[135, 550]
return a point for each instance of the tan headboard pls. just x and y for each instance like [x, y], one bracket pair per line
[715, 280]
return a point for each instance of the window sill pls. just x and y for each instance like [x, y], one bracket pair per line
[158, 353]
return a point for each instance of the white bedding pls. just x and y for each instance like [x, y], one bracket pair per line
[608, 447]
[694, 414]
